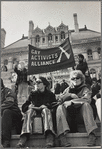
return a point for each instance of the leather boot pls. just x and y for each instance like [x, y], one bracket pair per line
[92, 139]
[63, 139]
[49, 140]
[21, 142]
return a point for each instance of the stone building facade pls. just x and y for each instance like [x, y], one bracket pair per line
[83, 40]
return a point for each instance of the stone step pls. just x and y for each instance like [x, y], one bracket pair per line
[76, 139]
[82, 147]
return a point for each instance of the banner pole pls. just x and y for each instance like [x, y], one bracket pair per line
[52, 78]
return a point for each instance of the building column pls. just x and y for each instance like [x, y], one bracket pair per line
[10, 64]
[58, 37]
[33, 41]
[54, 38]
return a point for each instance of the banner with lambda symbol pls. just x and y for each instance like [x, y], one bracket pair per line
[50, 59]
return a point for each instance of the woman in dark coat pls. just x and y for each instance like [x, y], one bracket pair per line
[39, 102]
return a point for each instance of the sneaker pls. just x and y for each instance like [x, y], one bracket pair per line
[6, 144]
[92, 140]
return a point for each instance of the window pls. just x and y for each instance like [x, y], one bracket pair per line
[43, 40]
[89, 53]
[50, 37]
[37, 39]
[99, 52]
[62, 35]
[5, 62]
[56, 38]
[14, 59]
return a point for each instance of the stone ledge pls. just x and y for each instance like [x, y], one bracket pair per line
[41, 136]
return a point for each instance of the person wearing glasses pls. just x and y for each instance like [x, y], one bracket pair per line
[39, 102]
[75, 107]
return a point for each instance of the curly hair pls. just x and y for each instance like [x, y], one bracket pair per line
[77, 73]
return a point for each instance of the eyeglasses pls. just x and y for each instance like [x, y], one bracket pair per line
[38, 82]
[76, 78]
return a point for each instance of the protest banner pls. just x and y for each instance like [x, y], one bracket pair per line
[50, 59]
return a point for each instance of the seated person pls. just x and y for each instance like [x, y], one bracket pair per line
[75, 102]
[95, 90]
[10, 114]
[39, 102]
[98, 104]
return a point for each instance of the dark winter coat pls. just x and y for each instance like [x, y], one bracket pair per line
[64, 85]
[9, 101]
[39, 98]
[82, 66]
[57, 88]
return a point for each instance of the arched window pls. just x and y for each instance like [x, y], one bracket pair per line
[62, 35]
[89, 53]
[5, 62]
[37, 38]
[99, 52]
[14, 59]
[93, 73]
[56, 38]
[49, 37]
[43, 40]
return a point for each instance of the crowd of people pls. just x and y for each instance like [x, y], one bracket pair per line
[60, 87]
[60, 111]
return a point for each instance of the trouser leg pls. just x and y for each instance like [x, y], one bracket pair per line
[27, 123]
[87, 114]
[47, 120]
[71, 118]
[62, 124]
[7, 119]
[48, 127]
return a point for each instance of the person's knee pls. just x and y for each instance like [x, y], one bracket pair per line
[59, 108]
[7, 112]
[45, 110]
[86, 104]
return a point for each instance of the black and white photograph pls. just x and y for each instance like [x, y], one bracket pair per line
[50, 74]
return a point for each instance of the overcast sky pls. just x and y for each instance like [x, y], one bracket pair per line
[15, 16]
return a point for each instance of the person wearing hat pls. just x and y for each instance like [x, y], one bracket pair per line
[22, 83]
[39, 102]
[83, 66]
[10, 114]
